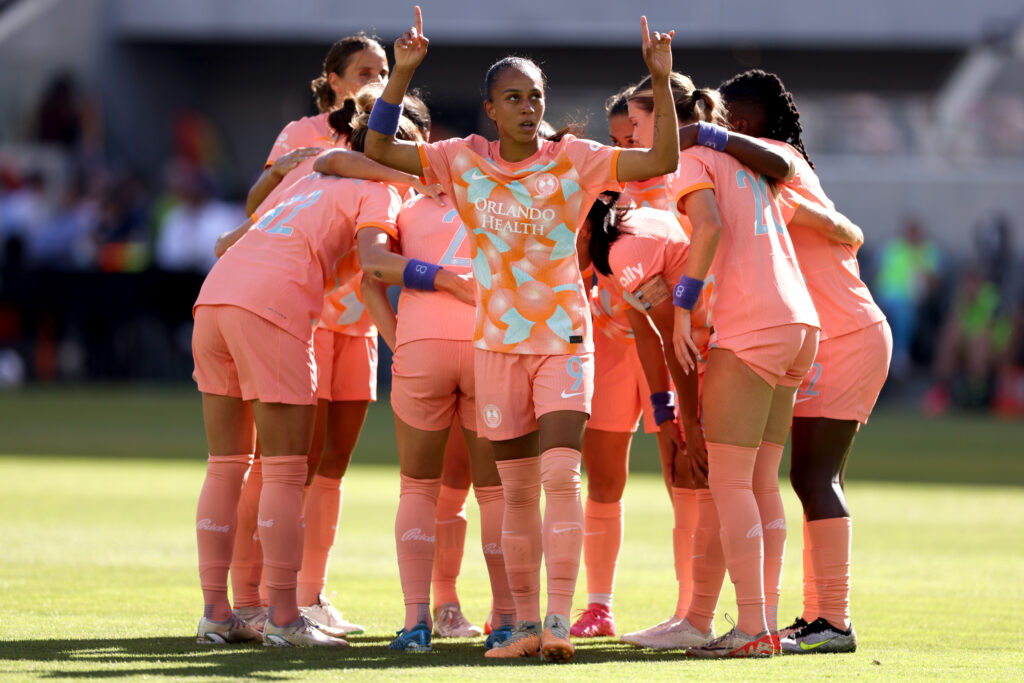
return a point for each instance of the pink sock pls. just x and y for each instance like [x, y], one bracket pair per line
[281, 532]
[730, 478]
[708, 563]
[684, 507]
[492, 508]
[810, 588]
[415, 540]
[602, 541]
[831, 556]
[247, 557]
[216, 521]
[563, 525]
[773, 522]
[521, 533]
[450, 518]
[322, 510]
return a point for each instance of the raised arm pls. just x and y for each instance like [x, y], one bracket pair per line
[832, 224]
[274, 174]
[381, 145]
[350, 164]
[751, 152]
[663, 156]
[380, 263]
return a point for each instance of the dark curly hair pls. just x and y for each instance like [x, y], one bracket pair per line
[765, 90]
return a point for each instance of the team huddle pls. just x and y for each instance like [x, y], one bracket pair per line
[554, 290]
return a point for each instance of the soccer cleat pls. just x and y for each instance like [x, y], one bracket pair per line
[797, 624]
[416, 639]
[231, 630]
[449, 622]
[631, 637]
[820, 636]
[524, 641]
[735, 643]
[677, 636]
[255, 616]
[596, 620]
[329, 619]
[776, 644]
[555, 645]
[300, 633]
[498, 636]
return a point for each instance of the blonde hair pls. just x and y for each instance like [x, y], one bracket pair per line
[414, 124]
[692, 103]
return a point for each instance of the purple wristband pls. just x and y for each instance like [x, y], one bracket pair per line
[420, 274]
[664, 403]
[710, 135]
[687, 292]
[384, 117]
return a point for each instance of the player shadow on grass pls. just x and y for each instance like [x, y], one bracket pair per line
[182, 658]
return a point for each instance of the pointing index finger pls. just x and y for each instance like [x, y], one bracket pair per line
[419, 19]
[645, 34]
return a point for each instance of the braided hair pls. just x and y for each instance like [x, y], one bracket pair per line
[765, 90]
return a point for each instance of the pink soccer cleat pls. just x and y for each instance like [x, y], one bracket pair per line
[596, 620]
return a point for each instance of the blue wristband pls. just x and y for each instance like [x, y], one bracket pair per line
[664, 403]
[420, 274]
[687, 292]
[710, 135]
[384, 117]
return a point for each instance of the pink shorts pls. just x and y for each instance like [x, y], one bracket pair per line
[346, 366]
[781, 356]
[847, 376]
[238, 353]
[621, 394]
[513, 390]
[431, 382]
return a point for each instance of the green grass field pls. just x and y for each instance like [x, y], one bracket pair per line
[98, 577]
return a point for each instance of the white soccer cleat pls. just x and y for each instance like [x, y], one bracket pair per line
[451, 623]
[678, 636]
[302, 633]
[255, 616]
[329, 619]
[231, 630]
[650, 630]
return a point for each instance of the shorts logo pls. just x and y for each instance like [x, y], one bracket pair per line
[545, 185]
[779, 523]
[208, 525]
[492, 416]
[755, 531]
[417, 535]
[265, 523]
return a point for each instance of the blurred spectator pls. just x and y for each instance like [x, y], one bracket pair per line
[993, 239]
[23, 205]
[1009, 391]
[908, 272]
[65, 239]
[69, 118]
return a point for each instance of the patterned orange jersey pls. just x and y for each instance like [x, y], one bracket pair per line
[522, 219]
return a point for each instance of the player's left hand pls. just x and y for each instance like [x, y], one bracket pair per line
[657, 49]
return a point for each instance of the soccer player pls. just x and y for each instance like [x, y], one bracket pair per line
[253, 349]
[838, 393]
[522, 199]
[764, 344]
[345, 343]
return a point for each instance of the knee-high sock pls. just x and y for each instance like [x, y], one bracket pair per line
[602, 541]
[708, 563]
[684, 507]
[521, 533]
[810, 588]
[216, 522]
[831, 539]
[322, 511]
[247, 558]
[563, 525]
[450, 518]
[731, 481]
[415, 540]
[492, 509]
[281, 532]
[773, 522]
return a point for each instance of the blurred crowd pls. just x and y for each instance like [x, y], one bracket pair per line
[99, 264]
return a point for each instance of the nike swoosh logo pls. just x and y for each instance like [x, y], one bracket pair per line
[564, 529]
[804, 646]
[476, 175]
[565, 395]
[801, 400]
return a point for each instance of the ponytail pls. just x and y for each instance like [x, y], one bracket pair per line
[692, 104]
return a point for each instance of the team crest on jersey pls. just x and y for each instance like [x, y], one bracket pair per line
[545, 185]
[492, 416]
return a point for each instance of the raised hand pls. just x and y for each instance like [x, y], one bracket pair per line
[657, 49]
[285, 163]
[411, 46]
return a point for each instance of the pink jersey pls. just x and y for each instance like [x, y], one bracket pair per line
[434, 234]
[608, 309]
[343, 311]
[754, 275]
[280, 269]
[522, 219]
[651, 193]
[830, 269]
